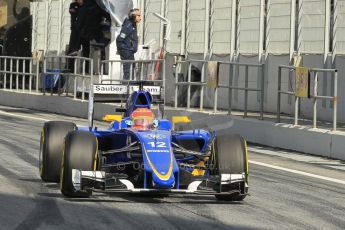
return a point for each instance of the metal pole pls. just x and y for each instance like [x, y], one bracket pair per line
[261, 32]
[111, 71]
[102, 72]
[335, 101]
[327, 25]
[91, 75]
[44, 75]
[52, 78]
[176, 84]
[202, 87]
[91, 98]
[279, 95]
[215, 100]
[5, 74]
[245, 91]
[83, 81]
[183, 28]
[296, 110]
[17, 77]
[262, 91]
[292, 28]
[207, 27]
[189, 86]
[59, 28]
[230, 89]
[315, 100]
[11, 75]
[30, 77]
[60, 75]
[23, 76]
[37, 74]
[131, 77]
[164, 80]
[75, 79]
[233, 30]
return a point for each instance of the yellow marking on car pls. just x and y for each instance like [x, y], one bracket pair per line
[179, 119]
[96, 156]
[199, 172]
[160, 176]
[247, 169]
[112, 117]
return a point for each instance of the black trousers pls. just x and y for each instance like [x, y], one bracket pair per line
[127, 55]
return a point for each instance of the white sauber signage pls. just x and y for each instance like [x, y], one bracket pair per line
[122, 89]
[109, 89]
[154, 90]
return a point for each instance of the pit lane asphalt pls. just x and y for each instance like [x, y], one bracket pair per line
[279, 199]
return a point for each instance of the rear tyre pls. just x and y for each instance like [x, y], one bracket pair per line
[231, 158]
[51, 146]
[80, 153]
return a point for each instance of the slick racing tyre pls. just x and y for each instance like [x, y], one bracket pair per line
[80, 153]
[51, 146]
[231, 158]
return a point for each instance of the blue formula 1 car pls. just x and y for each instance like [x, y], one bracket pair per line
[141, 153]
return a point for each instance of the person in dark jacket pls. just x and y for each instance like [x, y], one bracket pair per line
[88, 23]
[74, 44]
[127, 40]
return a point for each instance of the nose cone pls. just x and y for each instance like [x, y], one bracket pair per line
[163, 184]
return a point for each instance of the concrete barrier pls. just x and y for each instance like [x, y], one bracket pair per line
[312, 141]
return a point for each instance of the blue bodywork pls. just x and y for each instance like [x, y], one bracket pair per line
[148, 157]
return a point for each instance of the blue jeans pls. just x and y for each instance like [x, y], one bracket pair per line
[127, 55]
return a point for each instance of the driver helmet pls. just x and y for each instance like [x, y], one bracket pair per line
[142, 119]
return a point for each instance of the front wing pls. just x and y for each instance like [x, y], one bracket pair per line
[100, 181]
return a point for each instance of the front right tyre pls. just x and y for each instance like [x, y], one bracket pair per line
[232, 158]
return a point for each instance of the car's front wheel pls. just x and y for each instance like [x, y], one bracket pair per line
[81, 152]
[51, 147]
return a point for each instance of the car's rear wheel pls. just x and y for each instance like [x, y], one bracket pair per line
[51, 146]
[80, 153]
[231, 158]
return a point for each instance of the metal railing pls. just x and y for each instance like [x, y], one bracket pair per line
[315, 96]
[152, 70]
[67, 67]
[16, 69]
[202, 84]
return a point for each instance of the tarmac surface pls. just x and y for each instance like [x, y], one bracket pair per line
[287, 191]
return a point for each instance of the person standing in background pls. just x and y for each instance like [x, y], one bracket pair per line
[127, 40]
[74, 44]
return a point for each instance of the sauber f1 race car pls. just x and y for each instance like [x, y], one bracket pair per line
[141, 152]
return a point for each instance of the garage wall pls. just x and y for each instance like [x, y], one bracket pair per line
[311, 30]
[152, 25]
[248, 31]
[278, 26]
[220, 27]
[176, 16]
[51, 25]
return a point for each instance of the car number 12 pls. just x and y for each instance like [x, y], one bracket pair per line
[158, 144]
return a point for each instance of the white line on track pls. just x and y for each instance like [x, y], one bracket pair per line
[298, 172]
[23, 116]
[250, 161]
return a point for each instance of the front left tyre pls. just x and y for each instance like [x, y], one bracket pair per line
[80, 152]
[51, 146]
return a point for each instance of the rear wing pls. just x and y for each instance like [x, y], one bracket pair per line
[117, 93]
